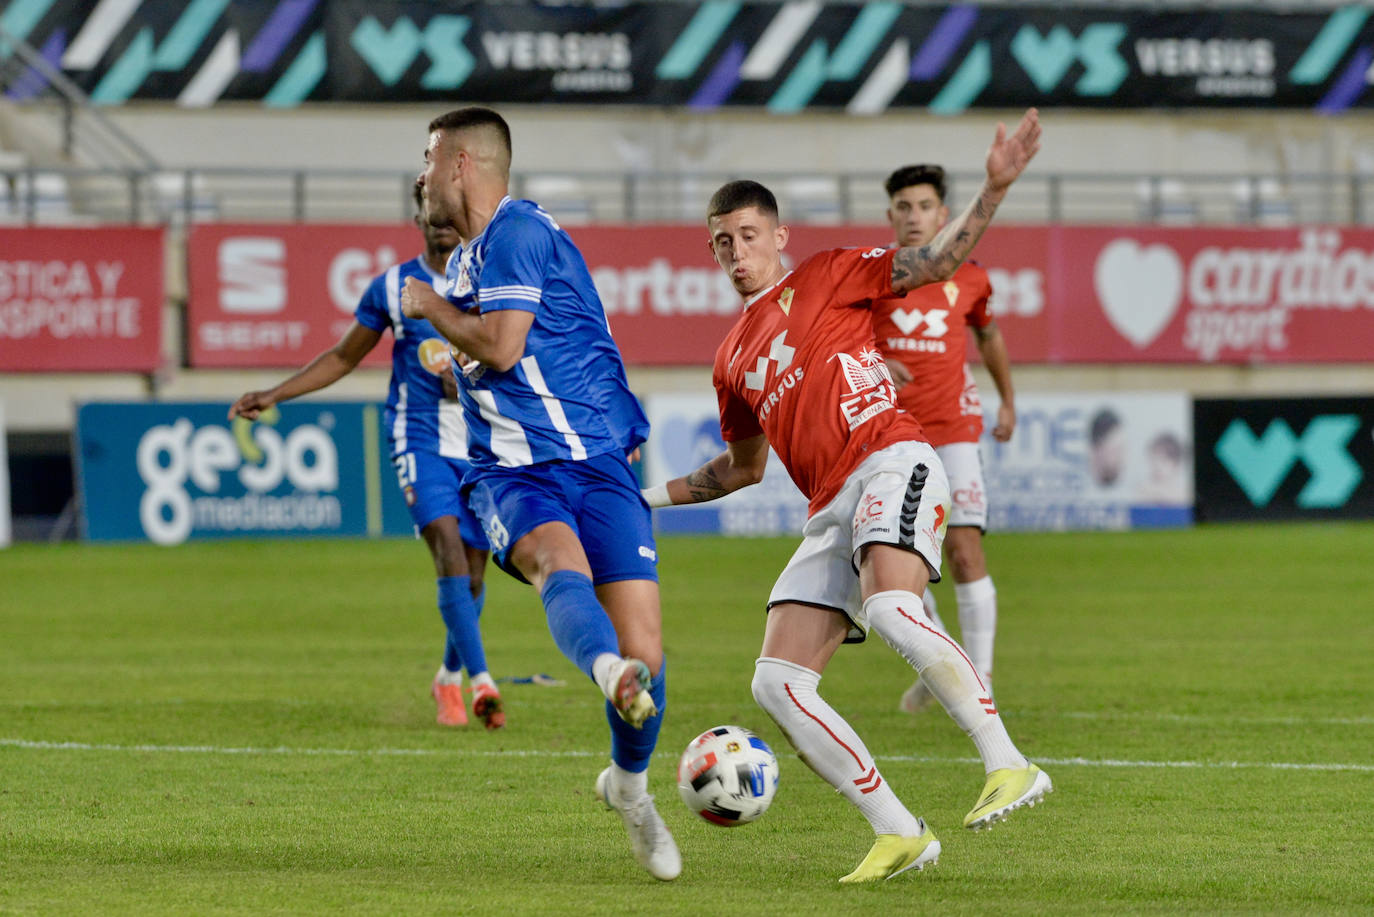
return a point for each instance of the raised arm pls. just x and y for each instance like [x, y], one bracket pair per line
[937, 260]
[326, 369]
[741, 464]
[496, 338]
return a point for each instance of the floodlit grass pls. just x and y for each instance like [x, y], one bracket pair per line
[245, 728]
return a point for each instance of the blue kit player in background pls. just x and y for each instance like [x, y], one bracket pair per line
[551, 421]
[428, 443]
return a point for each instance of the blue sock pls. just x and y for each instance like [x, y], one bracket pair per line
[455, 604]
[453, 660]
[632, 748]
[577, 621]
[480, 599]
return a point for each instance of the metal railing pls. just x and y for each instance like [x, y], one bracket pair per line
[36, 196]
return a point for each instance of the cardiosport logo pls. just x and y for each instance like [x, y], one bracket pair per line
[216, 480]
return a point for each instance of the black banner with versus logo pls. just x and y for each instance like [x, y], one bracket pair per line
[1290, 458]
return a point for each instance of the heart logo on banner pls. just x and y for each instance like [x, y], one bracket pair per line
[1140, 288]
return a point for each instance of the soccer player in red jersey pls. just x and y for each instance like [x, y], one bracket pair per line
[801, 371]
[921, 338]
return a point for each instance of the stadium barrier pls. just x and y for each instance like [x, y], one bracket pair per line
[1114, 461]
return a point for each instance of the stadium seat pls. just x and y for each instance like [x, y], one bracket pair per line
[563, 196]
[812, 200]
[1262, 201]
[167, 193]
[1166, 200]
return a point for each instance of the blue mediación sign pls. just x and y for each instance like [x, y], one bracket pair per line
[173, 472]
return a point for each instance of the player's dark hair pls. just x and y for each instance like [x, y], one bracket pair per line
[475, 116]
[737, 195]
[922, 174]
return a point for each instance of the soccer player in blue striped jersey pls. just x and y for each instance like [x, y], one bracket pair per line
[551, 422]
[428, 444]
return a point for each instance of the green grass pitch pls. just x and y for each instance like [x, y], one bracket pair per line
[245, 728]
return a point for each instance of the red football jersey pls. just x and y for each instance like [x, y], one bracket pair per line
[925, 330]
[801, 366]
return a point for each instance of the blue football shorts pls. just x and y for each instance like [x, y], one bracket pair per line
[598, 498]
[432, 487]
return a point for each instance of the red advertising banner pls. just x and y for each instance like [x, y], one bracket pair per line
[1211, 295]
[73, 300]
[275, 295]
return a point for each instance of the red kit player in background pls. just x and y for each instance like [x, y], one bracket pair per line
[921, 336]
[800, 371]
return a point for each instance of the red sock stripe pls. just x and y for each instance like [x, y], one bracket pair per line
[821, 723]
[945, 637]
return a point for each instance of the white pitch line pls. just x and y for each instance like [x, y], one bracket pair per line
[1205, 718]
[548, 753]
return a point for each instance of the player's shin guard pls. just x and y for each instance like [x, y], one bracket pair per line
[579, 624]
[898, 618]
[460, 615]
[788, 692]
[632, 748]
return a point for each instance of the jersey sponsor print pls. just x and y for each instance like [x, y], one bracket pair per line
[802, 367]
[926, 331]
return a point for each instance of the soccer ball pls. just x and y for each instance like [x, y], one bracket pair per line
[728, 776]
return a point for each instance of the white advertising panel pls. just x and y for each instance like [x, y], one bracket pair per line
[1102, 460]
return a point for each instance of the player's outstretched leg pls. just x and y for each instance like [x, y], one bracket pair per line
[788, 692]
[1012, 781]
[918, 698]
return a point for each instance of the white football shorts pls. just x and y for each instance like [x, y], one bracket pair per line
[969, 497]
[898, 496]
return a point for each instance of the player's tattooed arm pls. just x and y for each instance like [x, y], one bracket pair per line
[941, 256]
[703, 485]
[741, 464]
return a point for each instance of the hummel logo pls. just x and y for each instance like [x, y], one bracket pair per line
[778, 353]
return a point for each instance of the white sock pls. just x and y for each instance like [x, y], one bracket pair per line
[827, 744]
[947, 672]
[601, 670]
[978, 622]
[483, 678]
[627, 785]
[932, 611]
[445, 677]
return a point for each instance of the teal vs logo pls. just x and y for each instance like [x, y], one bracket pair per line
[1260, 464]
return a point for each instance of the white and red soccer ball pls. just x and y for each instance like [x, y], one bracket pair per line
[728, 776]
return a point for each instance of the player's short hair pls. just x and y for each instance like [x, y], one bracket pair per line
[737, 195]
[474, 116]
[920, 174]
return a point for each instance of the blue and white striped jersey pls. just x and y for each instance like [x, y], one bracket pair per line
[422, 409]
[568, 397]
